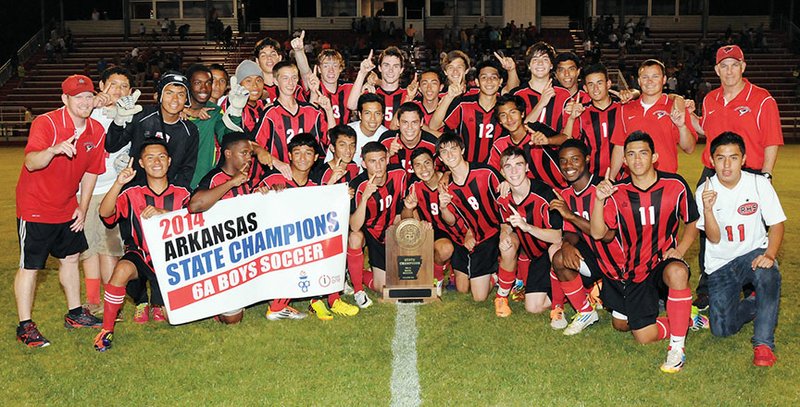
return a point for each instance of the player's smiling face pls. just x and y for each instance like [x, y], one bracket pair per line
[201, 86]
[728, 161]
[730, 71]
[597, 85]
[410, 127]
[540, 65]
[119, 86]
[423, 167]
[303, 157]
[567, 74]
[254, 85]
[573, 164]
[371, 116]
[155, 161]
[80, 105]
[375, 164]
[639, 157]
[219, 84]
[390, 69]
[430, 85]
[344, 149]
[173, 98]
[451, 155]
[330, 70]
[509, 116]
[456, 69]
[489, 80]
[267, 58]
[651, 80]
[287, 78]
[514, 169]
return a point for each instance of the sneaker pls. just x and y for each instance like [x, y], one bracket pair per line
[698, 320]
[517, 291]
[159, 313]
[286, 313]
[82, 320]
[342, 308]
[501, 308]
[102, 342]
[319, 308]
[94, 309]
[348, 289]
[581, 321]
[438, 286]
[557, 320]
[142, 313]
[701, 302]
[362, 300]
[29, 335]
[676, 358]
[762, 356]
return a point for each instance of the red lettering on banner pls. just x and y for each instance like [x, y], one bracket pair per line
[265, 264]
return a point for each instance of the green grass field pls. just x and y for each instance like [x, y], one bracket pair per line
[466, 356]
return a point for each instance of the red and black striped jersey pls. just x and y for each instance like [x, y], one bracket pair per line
[647, 221]
[597, 128]
[384, 204]
[280, 125]
[428, 210]
[552, 114]
[476, 201]
[217, 177]
[132, 200]
[477, 126]
[403, 156]
[392, 101]
[252, 115]
[535, 208]
[582, 97]
[610, 255]
[271, 93]
[321, 174]
[542, 160]
[426, 115]
[273, 177]
[339, 101]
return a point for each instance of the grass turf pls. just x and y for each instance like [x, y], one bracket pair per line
[466, 356]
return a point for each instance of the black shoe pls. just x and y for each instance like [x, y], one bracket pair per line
[83, 320]
[701, 302]
[29, 335]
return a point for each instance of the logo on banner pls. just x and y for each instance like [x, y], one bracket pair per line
[304, 283]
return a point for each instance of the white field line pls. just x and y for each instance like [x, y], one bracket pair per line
[405, 378]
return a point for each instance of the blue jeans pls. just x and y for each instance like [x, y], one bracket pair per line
[728, 312]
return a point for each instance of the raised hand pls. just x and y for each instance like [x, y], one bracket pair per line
[103, 98]
[678, 113]
[444, 199]
[538, 138]
[237, 97]
[297, 43]
[66, 147]
[412, 88]
[507, 62]
[709, 195]
[516, 220]
[411, 200]
[560, 205]
[370, 189]
[242, 175]
[547, 93]
[367, 65]
[127, 174]
[395, 146]
[605, 188]
[126, 108]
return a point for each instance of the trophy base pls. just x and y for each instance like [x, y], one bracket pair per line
[421, 294]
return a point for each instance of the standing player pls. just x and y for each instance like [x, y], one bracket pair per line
[472, 117]
[665, 119]
[471, 195]
[736, 208]
[644, 211]
[248, 75]
[430, 86]
[544, 102]
[581, 260]
[747, 110]
[376, 205]
[331, 64]
[219, 86]
[535, 228]
[568, 73]
[391, 63]
[127, 203]
[64, 150]
[268, 54]
[370, 127]
[401, 143]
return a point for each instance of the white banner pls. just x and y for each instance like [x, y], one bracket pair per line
[289, 244]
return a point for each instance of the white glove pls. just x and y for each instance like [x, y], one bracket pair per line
[126, 107]
[237, 97]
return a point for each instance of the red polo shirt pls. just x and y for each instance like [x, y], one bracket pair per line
[752, 114]
[48, 195]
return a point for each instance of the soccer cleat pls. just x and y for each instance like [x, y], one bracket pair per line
[319, 308]
[581, 321]
[142, 313]
[501, 308]
[362, 300]
[159, 314]
[82, 320]
[344, 309]
[102, 342]
[286, 313]
[438, 286]
[763, 356]
[29, 335]
[698, 321]
[94, 309]
[517, 291]
[676, 358]
[701, 302]
[348, 289]
[557, 320]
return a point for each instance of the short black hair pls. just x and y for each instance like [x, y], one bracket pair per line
[594, 68]
[372, 147]
[540, 48]
[491, 63]
[409, 107]
[567, 56]
[639, 135]
[218, 67]
[512, 151]
[229, 139]
[517, 100]
[303, 139]
[575, 143]
[370, 98]
[420, 151]
[152, 141]
[195, 68]
[267, 42]
[435, 71]
[448, 137]
[341, 130]
[726, 138]
[116, 70]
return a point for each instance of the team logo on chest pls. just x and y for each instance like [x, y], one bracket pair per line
[742, 110]
[660, 113]
[747, 208]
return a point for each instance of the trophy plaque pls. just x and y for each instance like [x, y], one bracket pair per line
[409, 262]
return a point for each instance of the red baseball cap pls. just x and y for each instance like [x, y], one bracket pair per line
[76, 84]
[730, 51]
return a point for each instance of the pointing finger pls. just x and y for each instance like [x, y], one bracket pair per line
[107, 87]
[130, 163]
[708, 185]
[302, 35]
[608, 173]
[370, 55]
[135, 95]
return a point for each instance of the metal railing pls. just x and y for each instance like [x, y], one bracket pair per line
[5, 73]
[23, 54]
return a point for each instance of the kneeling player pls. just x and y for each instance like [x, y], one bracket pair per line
[422, 202]
[533, 226]
[582, 260]
[644, 210]
[128, 205]
[379, 192]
